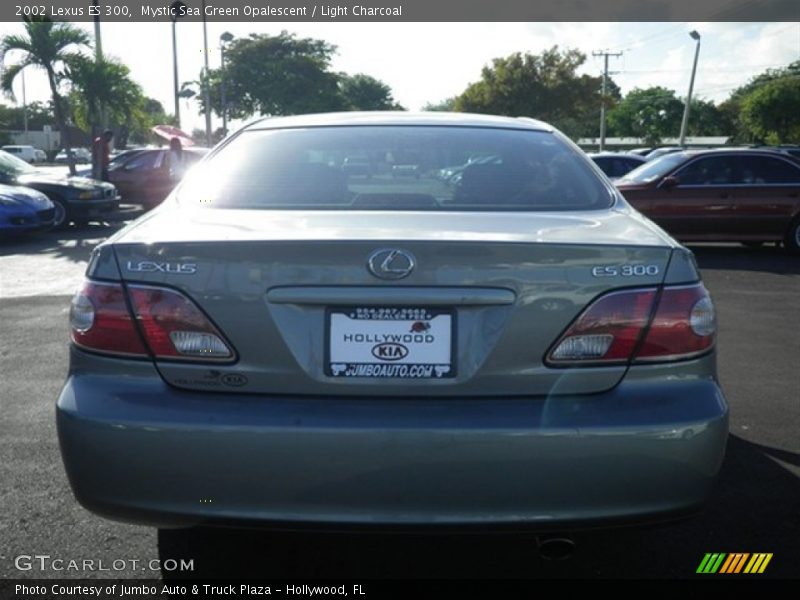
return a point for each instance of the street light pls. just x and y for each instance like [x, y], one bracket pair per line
[176, 12]
[685, 122]
[224, 39]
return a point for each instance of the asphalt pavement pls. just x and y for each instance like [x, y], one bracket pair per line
[755, 507]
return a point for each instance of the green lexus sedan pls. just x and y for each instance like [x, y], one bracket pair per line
[286, 342]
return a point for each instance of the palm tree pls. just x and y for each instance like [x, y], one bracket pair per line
[103, 90]
[48, 45]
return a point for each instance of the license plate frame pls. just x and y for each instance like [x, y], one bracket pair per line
[415, 320]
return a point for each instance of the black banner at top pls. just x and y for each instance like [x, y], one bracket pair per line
[405, 10]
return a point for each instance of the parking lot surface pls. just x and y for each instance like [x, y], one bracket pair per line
[754, 507]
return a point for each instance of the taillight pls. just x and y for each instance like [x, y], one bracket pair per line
[607, 331]
[100, 320]
[621, 327]
[173, 327]
[684, 325]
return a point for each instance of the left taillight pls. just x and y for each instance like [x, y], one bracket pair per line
[164, 324]
[100, 320]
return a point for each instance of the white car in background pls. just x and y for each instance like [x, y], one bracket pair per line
[26, 153]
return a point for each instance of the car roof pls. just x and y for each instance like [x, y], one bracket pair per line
[616, 155]
[754, 151]
[398, 118]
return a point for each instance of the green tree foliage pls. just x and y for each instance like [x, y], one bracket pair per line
[544, 86]
[286, 75]
[446, 105]
[656, 112]
[755, 126]
[47, 45]
[706, 118]
[651, 113]
[772, 111]
[149, 114]
[362, 92]
[39, 114]
[104, 91]
[275, 75]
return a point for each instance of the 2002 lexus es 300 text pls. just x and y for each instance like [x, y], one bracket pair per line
[290, 341]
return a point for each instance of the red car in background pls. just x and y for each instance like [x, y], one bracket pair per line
[144, 176]
[723, 195]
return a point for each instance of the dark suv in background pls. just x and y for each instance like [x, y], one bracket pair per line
[731, 195]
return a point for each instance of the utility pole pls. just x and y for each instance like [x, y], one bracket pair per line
[25, 107]
[605, 56]
[176, 12]
[206, 91]
[97, 128]
[225, 38]
[98, 41]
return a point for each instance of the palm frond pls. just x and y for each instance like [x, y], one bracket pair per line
[9, 74]
[64, 35]
[13, 42]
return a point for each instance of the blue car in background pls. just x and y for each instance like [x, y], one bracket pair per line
[23, 210]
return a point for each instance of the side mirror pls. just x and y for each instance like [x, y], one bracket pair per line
[669, 182]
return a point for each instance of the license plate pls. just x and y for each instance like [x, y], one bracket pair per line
[390, 342]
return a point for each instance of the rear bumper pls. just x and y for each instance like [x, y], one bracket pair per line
[138, 450]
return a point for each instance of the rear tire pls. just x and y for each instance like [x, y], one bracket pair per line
[792, 240]
[61, 218]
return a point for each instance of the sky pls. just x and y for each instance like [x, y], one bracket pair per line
[428, 62]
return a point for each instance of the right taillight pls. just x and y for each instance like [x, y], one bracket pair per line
[639, 325]
[684, 325]
[161, 322]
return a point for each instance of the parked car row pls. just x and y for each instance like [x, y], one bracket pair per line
[55, 199]
[141, 175]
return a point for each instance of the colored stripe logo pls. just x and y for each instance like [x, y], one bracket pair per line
[736, 562]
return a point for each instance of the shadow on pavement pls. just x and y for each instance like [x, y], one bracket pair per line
[766, 259]
[753, 509]
[74, 242]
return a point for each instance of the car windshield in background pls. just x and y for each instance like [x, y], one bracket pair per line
[13, 166]
[654, 169]
[396, 168]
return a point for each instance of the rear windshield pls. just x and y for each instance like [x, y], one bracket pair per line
[396, 168]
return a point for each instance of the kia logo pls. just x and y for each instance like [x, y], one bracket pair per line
[389, 351]
[389, 263]
[234, 379]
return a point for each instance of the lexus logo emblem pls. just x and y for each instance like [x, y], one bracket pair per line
[389, 263]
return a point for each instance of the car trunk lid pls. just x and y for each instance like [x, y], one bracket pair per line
[495, 290]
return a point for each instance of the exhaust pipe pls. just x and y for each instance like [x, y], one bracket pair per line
[555, 547]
